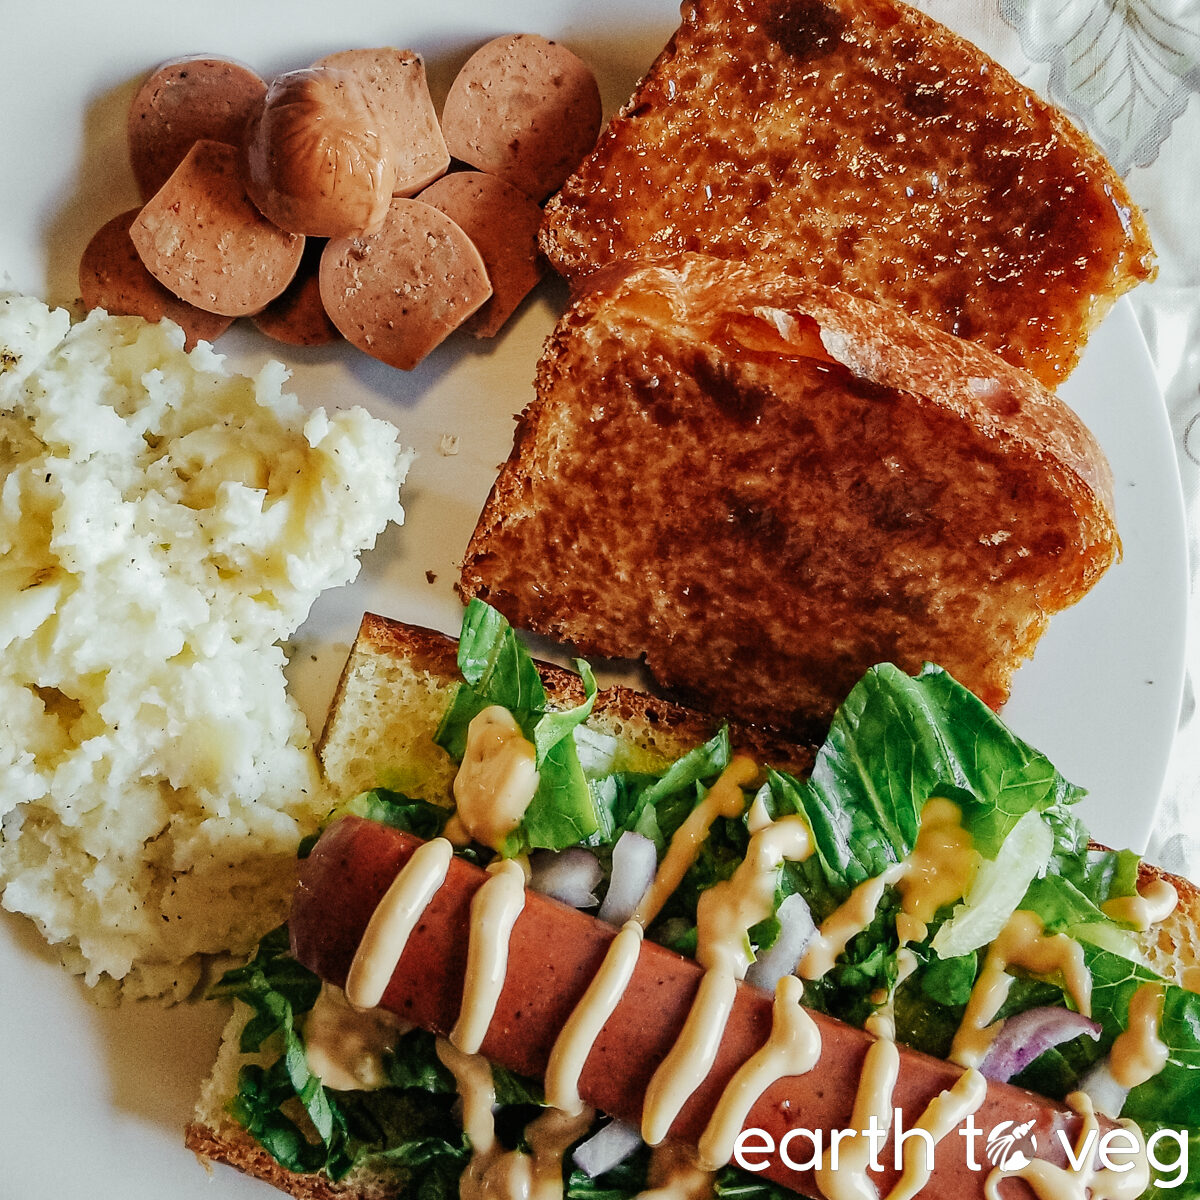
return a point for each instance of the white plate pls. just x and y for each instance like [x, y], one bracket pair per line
[93, 1101]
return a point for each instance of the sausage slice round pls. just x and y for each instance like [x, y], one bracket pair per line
[398, 293]
[503, 223]
[524, 108]
[183, 101]
[202, 238]
[297, 317]
[113, 277]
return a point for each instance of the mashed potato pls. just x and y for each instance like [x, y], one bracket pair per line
[163, 524]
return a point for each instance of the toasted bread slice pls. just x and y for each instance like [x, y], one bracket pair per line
[763, 487]
[879, 153]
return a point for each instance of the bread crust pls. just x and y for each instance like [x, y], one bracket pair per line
[876, 151]
[658, 723]
[908, 497]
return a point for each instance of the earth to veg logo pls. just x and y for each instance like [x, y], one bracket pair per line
[1011, 1147]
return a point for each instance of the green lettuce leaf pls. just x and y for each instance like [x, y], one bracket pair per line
[497, 669]
[896, 742]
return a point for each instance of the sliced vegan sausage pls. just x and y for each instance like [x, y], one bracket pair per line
[297, 317]
[317, 160]
[555, 952]
[114, 278]
[503, 223]
[398, 293]
[396, 79]
[524, 108]
[183, 101]
[202, 238]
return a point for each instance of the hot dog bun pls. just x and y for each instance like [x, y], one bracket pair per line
[874, 150]
[763, 486]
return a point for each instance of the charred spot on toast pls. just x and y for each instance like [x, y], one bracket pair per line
[804, 29]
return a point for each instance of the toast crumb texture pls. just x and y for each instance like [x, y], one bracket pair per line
[864, 143]
[764, 487]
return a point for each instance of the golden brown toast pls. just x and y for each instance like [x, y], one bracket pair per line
[878, 152]
[764, 487]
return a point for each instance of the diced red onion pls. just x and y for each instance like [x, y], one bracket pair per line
[568, 875]
[1107, 1095]
[607, 1148]
[1025, 1036]
[796, 929]
[634, 861]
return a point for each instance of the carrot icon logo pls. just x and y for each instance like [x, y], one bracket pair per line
[1010, 1146]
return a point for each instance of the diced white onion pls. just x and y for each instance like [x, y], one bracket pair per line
[569, 875]
[796, 930]
[634, 862]
[597, 751]
[1107, 1095]
[607, 1148]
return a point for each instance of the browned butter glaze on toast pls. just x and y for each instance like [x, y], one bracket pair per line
[877, 151]
[763, 487]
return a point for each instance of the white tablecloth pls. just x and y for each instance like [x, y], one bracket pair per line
[1129, 73]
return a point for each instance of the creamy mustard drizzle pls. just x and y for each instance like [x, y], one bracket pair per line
[494, 911]
[1139, 1053]
[1021, 943]
[496, 781]
[728, 910]
[674, 1174]
[393, 921]
[945, 1112]
[793, 1048]
[1085, 1182]
[345, 1045]
[494, 1172]
[724, 799]
[848, 1180]
[579, 1032]
[851, 917]
[937, 872]
[725, 914]
[882, 1022]
[691, 1058]
[1145, 909]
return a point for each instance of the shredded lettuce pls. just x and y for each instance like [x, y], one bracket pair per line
[497, 669]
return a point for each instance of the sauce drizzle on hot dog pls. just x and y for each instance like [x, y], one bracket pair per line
[583, 1026]
[393, 921]
[494, 911]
